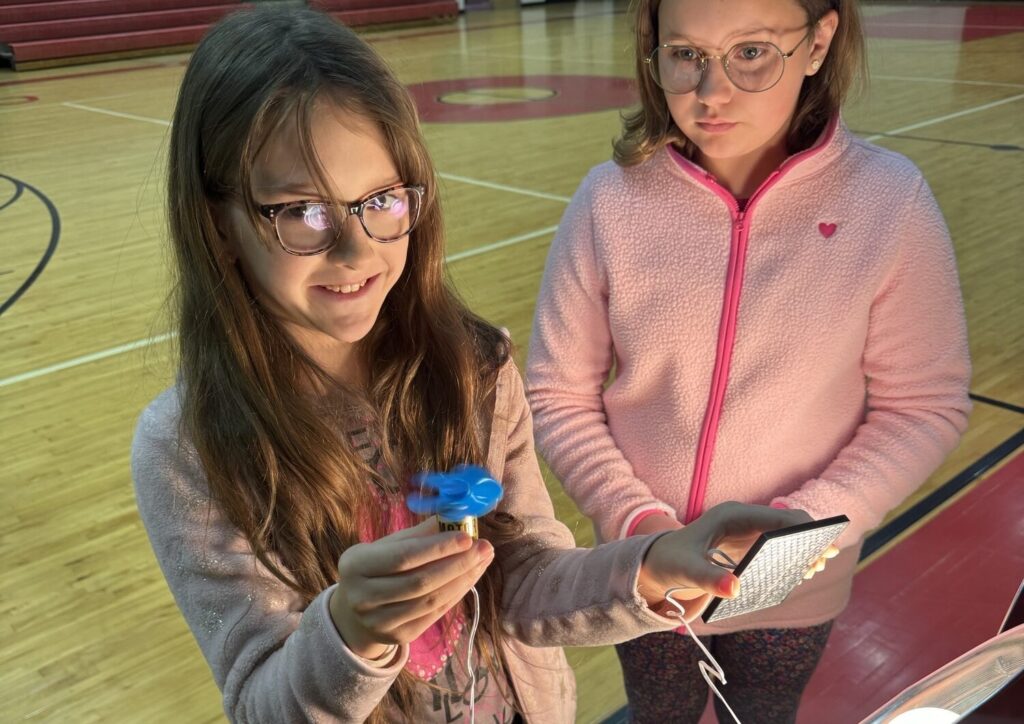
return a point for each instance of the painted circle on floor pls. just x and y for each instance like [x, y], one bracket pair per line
[520, 97]
[493, 96]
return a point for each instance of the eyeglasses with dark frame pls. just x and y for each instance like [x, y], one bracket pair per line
[751, 66]
[306, 228]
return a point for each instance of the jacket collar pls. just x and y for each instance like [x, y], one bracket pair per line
[832, 143]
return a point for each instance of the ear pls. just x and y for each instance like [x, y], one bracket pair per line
[222, 213]
[824, 31]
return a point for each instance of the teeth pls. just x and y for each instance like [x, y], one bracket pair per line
[346, 288]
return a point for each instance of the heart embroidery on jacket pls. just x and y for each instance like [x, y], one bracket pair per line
[826, 229]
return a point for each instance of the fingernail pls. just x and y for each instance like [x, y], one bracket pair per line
[486, 550]
[729, 586]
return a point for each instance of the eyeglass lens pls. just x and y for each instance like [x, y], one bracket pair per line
[752, 67]
[309, 227]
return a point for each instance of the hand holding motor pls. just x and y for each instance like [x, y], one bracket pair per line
[391, 590]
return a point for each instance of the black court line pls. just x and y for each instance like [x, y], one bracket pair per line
[619, 717]
[18, 189]
[907, 518]
[997, 403]
[51, 247]
[940, 495]
[974, 144]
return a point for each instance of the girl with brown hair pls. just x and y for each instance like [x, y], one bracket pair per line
[324, 361]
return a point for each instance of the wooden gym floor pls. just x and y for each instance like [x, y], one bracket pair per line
[88, 630]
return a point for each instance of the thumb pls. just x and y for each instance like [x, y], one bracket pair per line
[713, 579]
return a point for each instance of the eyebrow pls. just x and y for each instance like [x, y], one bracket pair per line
[307, 188]
[674, 37]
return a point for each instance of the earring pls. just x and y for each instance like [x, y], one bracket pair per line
[815, 64]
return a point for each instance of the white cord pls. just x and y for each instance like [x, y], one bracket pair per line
[715, 670]
[469, 655]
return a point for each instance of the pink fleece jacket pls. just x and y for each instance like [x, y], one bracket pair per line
[808, 351]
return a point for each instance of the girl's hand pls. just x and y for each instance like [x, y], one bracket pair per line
[819, 565]
[679, 559]
[393, 589]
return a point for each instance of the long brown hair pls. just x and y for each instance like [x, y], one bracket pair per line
[650, 127]
[281, 472]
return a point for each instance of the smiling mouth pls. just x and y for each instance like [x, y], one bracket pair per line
[355, 290]
[346, 288]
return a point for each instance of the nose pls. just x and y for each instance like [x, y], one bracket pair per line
[715, 88]
[353, 246]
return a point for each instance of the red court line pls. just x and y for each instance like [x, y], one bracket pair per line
[937, 594]
[111, 71]
[447, 31]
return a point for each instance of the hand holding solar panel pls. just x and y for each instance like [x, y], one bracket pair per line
[775, 565]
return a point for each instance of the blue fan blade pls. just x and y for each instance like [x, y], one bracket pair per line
[468, 490]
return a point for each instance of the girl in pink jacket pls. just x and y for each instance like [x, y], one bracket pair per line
[750, 304]
[323, 361]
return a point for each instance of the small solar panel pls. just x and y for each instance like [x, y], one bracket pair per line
[775, 565]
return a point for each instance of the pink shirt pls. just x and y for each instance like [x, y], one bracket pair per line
[808, 351]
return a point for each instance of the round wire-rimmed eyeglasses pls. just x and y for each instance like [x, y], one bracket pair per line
[751, 66]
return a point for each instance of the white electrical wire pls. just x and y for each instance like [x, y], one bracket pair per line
[469, 655]
[715, 670]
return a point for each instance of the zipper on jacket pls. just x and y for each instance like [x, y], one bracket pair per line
[723, 356]
[739, 235]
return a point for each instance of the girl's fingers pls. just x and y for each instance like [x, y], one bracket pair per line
[416, 627]
[739, 519]
[831, 552]
[817, 567]
[392, 618]
[421, 581]
[388, 556]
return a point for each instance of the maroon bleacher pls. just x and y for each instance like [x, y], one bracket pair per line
[67, 31]
[55, 31]
[382, 12]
